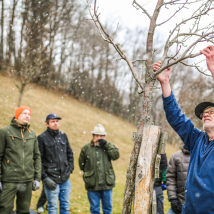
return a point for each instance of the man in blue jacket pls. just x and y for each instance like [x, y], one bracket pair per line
[199, 189]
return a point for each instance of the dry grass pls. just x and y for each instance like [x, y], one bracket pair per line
[78, 119]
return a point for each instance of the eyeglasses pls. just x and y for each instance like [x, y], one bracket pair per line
[211, 111]
[25, 113]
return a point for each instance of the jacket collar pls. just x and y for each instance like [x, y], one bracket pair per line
[53, 132]
[18, 125]
[94, 143]
[185, 150]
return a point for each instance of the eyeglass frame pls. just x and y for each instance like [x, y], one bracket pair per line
[207, 112]
[25, 113]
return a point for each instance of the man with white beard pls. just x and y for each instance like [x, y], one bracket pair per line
[199, 192]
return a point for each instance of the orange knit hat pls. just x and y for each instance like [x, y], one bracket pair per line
[20, 109]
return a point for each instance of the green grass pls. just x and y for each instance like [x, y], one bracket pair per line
[78, 119]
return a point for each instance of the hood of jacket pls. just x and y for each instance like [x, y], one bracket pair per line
[185, 150]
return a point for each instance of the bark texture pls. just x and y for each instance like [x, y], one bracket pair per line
[145, 169]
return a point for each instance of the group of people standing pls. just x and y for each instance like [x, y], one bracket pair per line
[25, 159]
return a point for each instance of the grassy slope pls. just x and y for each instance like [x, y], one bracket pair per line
[79, 118]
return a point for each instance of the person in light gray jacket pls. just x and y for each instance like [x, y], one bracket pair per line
[176, 179]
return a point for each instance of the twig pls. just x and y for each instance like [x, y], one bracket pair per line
[115, 32]
[142, 8]
[173, 14]
[139, 60]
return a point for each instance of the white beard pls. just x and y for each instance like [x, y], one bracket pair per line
[208, 127]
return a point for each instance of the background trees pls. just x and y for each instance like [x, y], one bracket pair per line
[52, 43]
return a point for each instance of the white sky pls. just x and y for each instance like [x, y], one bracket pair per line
[123, 12]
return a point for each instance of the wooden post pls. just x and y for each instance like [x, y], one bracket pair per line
[162, 143]
[145, 170]
[154, 203]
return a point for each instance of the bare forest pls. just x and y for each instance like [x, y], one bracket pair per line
[51, 43]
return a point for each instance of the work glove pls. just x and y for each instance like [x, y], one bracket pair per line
[176, 206]
[102, 142]
[50, 183]
[1, 189]
[163, 186]
[36, 185]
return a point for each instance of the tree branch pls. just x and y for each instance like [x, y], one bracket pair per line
[142, 8]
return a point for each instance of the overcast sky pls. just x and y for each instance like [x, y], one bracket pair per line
[123, 12]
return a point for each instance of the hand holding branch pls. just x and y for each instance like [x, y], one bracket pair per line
[209, 54]
[163, 78]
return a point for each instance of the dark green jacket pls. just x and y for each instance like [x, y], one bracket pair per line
[95, 161]
[19, 154]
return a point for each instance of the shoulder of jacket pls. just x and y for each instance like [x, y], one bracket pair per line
[5, 129]
[42, 134]
[32, 132]
[86, 146]
[62, 133]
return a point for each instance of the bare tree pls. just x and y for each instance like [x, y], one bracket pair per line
[2, 36]
[26, 63]
[177, 41]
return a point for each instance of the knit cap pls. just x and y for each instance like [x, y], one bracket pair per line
[20, 109]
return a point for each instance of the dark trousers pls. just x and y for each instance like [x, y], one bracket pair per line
[42, 199]
[159, 199]
[23, 191]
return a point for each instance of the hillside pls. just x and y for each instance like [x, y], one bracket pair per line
[78, 119]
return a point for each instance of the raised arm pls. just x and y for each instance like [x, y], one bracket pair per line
[178, 121]
[112, 151]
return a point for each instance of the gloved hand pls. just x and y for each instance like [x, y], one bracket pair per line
[176, 206]
[163, 186]
[1, 189]
[50, 183]
[36, 185]
[102, 142]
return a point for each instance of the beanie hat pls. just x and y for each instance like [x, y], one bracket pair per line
[20, 109]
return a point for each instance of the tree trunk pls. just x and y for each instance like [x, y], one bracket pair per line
[2, 36]
[21, 92]
[145, 169]
[131, 171]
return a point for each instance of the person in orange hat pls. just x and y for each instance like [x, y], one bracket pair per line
[20, 162]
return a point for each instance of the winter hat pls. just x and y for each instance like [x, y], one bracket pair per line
[20, 109]
[52, 116]
[99, 130]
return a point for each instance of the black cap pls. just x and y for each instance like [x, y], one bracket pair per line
[199, 109]
[52, 116]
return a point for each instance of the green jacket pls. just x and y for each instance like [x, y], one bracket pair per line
[95, 161]
[19, 154]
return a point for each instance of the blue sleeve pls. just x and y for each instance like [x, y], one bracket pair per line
[177, 120]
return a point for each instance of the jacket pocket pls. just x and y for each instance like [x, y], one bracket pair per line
[89, 178]
[110, 177]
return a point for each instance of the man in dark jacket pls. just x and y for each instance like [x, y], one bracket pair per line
[20, 163]
[176, 179]
[199, 192]
[57, 165]
[95, 161]
[160, 184]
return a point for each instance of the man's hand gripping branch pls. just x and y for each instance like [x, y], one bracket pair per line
[209, 54]
[163, 77]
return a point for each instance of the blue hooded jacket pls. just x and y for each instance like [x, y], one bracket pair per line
[199, 189]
